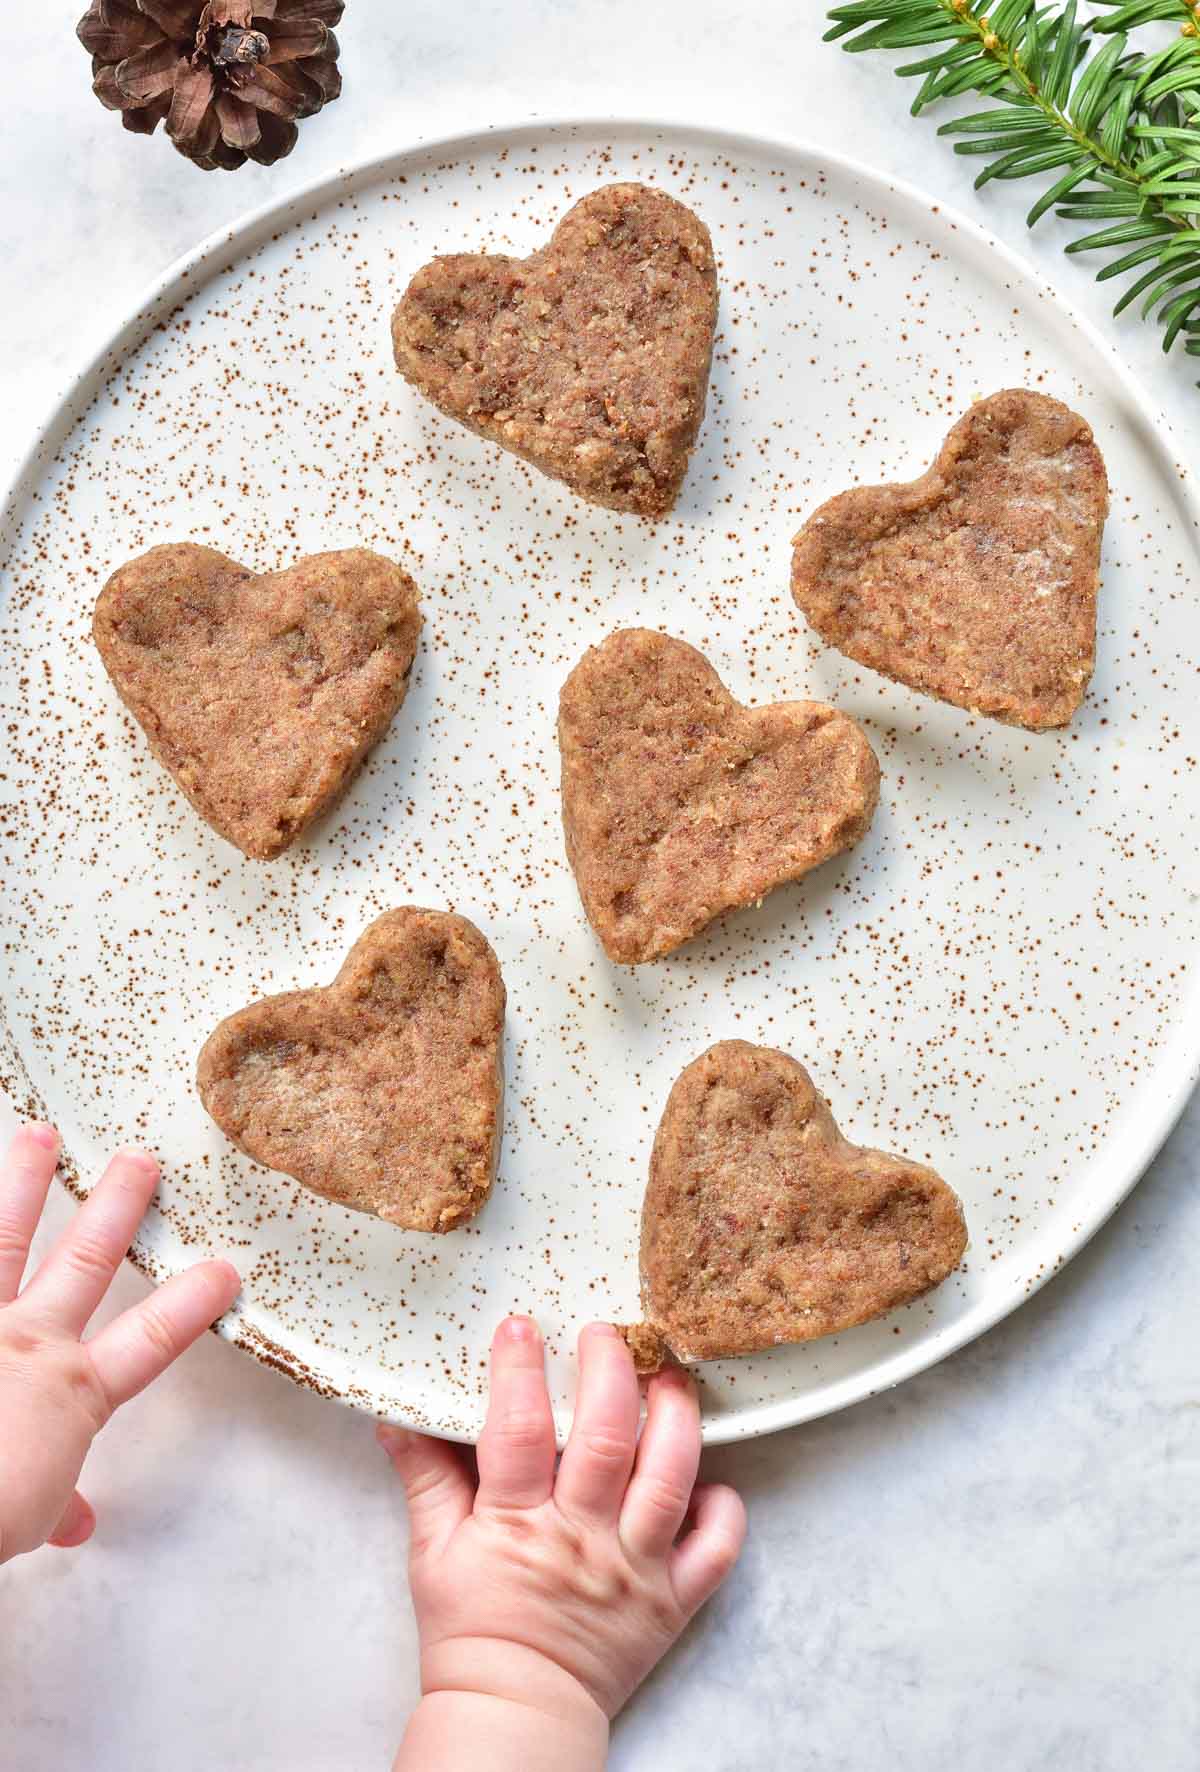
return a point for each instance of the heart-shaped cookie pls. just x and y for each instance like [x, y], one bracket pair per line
[762, 1225]
[679, 803]
[976, 583]
[260, 694]
[590, 358]
[383, 1090]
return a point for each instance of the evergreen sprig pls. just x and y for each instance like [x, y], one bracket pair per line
[1117, 127]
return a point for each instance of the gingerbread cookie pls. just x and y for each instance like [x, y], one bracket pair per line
[381, 1091]
[679, 803]
[762, 1225]
[976, 583]
[590, 358]
[261, 694]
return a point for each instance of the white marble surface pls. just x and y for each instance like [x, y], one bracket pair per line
[999, 1564]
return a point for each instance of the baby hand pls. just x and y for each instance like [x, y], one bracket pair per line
[543, 1599]
[57, 1392]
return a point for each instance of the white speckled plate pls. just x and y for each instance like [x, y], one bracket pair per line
[1000, 981]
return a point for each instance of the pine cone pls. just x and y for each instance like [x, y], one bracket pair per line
[230, 77]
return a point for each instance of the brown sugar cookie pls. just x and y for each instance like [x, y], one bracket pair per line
[590, 358]
[679, 803]
[976, 583]
[383, 1090]
[261, 694]
[762, 1225]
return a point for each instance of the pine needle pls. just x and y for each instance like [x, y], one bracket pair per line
[1117, 126]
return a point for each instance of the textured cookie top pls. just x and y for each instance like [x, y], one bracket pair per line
[261, 694]
[762, 1225]
[590, 358]
[381, 1091]
[976, 583]
[679, 803]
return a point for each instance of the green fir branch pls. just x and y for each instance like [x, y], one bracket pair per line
[1116, 127]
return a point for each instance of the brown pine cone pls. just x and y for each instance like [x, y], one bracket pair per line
[231, 78]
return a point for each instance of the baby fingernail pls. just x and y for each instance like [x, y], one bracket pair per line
[139, 1160]
[601, 1329]
[393, 1439]
[521, 1329]
[44, 1135]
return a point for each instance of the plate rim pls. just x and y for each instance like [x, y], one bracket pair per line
[66, 409]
